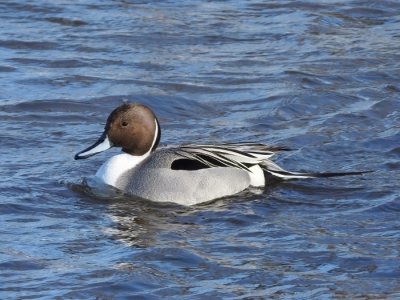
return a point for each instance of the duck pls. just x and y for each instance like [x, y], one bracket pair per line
[188, 174]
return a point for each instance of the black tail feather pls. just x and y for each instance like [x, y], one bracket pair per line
[285, 175]
[336, 174]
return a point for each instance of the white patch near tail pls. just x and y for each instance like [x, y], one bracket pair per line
[257, 178]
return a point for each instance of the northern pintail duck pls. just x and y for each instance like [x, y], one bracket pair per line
[188, 174]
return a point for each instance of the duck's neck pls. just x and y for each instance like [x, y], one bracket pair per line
[113, 168]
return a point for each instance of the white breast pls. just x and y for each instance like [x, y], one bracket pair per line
[113, 168]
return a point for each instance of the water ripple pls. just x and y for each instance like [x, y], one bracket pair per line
[320, 78]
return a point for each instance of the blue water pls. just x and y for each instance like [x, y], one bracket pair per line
[321, 77]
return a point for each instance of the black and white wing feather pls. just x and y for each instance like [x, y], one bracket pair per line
[242, 156]
[237, 155]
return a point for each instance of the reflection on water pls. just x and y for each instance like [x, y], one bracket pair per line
[320, 78]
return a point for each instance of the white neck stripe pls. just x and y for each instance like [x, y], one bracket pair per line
[154, 140]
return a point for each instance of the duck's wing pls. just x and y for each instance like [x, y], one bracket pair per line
[242, 149]
[242, 156]
[237, 155]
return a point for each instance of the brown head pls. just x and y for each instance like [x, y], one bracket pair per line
[133, 127]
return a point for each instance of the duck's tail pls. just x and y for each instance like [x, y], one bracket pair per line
[271, 169]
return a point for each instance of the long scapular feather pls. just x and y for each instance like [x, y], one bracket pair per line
[245, 155]
[207, 157]
[245, 149]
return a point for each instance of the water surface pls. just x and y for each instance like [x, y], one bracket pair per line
[321, 78]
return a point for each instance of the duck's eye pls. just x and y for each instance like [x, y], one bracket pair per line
[124, 123]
